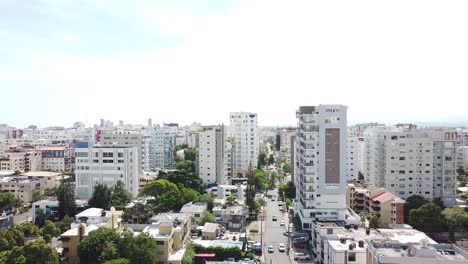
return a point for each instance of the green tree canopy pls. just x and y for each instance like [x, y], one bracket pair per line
[118, 261]
[141, 211]
[413, 202]
[8, 201]
[167, 195]
[286, 168]
[456, 219]
[139, 249]
[426, 218]
[65, 223]
[49, 231]
[102, 197]
[190, 154]
[186, 178]
[99, 246]
[231, 200]
[271, 159]
[40, 251]
[288, 189]
[29, 229]
[66, 199]
[259, 179]
[261, 160]
[207, 218]
[374, 222]
[120, 196]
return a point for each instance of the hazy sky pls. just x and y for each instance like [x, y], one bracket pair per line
[184, 61]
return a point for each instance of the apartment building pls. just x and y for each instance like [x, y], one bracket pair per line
[335, 244]
[211, 155]
[51, 179]
[244, 132]
[21, 159]
[105, 165]
[22, 187]
[320, 164]
[57, 158]
[171, 232]
[388, 207]
[406, 161]
[463, 156]
[132, 138]
[164, 143]
[71, 239]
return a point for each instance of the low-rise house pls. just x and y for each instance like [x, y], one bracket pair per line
[171, 232]
[23, 187]
[233, 217]
[71, 239]
[211, 231]
[100, 217]
[388, 207]
[51, 179]
[195, 209]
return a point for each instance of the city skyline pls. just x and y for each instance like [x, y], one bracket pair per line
[184, 62]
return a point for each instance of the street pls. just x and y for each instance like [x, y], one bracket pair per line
[21, 218]
[273, 234]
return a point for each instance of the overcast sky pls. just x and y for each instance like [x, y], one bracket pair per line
[184, 61]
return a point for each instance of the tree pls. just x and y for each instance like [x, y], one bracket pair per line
[51, 192]
[100, 246]
[186, 165]
[374, 222]
[49, 231]
[140, 211]
[259, 179]
[261, 160]
[37, 196]
[456, 219]
[426, 218]
[8, 201]
[208, 199]
[231, 200]
[207, 218]
[413, 202]
[120, 196]
[286, 168]
[11, 237]
[29, 229]
[139, 249]
[288, 189]
[39, 251]
[189, 255]
[438, 201]
[118, 261]
[17, 172]
[288, 203]
[190, 154]
[167, 196]
[271, 159]
[65, 223]
[66, 199]
[461, 171]
[187, 179]
[102, 197]
[40, 218]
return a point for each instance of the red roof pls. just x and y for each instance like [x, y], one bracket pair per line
[384, 197]
[205, 255]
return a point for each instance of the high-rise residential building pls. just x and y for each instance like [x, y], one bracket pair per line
[105, 165]
[407, 161]
[211, 155]
[244, 132]
[136, 138]
[21, 159]
[164, 143]
[320, 164]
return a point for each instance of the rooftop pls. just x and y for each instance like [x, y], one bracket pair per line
[210, 227]
[171, 217]
[177, 256]
[41, 174]
[74, 231]
[385, 197]
[218, 243]
[194, 208]
[91, 212]
[422, 254]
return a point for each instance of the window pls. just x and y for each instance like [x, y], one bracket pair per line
[120, 155]
[351, 256]
[329, 231]
[159, 242]
[108, 155]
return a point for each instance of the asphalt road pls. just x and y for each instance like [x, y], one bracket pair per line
[273, 233]
[21, 218]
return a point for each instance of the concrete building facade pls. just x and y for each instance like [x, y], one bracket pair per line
[105, 165]
[243, 130]
[320, 164]
[211, 155]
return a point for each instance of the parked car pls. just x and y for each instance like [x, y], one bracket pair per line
[271, 249]
[299, 245]
[275, 218]
[281, 247]
[301, 256]
[282, 223]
